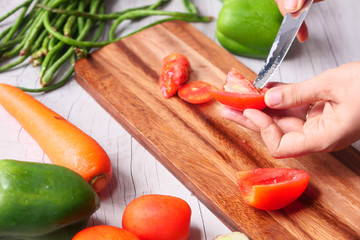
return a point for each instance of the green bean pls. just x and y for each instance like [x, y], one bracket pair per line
[81, 8]
[59, 22]
[157, 4]
[50, 56]
[25, 4]
[15, 26]
[22, 58]
[190, 7]
[138, 13]
[101, 25]
[129, 15]
[37, 27]
[51, 43]
[13, 64]
[8, 44]
[47, 77]
[3, 34]
[68, 25]
[57, 85]
[100, 17]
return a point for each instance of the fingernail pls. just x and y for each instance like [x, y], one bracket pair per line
[272, 98]
[290, 5]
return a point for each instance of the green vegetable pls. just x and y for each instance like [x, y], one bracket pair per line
[56, 32]
[248, 27]
[43, 201]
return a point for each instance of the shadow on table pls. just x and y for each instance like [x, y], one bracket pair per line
[195, 234]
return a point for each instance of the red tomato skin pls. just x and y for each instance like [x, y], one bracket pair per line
[237, 100]
[239, 93]
[158, 217]
[174, 73]
[104, 232]
[271, 188]
[195, 92]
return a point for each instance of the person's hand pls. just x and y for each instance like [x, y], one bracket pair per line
[332, 123]
[291, 6]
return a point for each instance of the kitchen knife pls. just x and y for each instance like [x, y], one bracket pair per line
[284, 38]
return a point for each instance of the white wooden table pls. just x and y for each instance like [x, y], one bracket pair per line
[334, 29]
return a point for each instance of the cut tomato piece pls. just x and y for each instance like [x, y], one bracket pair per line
[236, 82]
[271, 188]
[238, 92]
[195, 92]
[237, 100]
[174, 73]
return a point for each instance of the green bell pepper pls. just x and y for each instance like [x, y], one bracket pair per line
[248, 27]
[43, 201]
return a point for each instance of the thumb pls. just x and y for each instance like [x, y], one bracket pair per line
[297, 94]
[289, 5]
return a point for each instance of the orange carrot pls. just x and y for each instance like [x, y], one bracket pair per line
[62, 142]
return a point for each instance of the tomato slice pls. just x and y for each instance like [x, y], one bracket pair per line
[238, 92]
[272, 188]
[195, 92]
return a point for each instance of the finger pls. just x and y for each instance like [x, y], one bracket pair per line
[289, 124]
[280, 145]
[299, 94]
[238, 117]
[270, 132]
[303, 33]
[286, 6]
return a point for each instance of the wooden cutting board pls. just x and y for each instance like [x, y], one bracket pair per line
[203, 150]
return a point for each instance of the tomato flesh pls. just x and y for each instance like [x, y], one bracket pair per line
[238, 92]
[271, 188]
[195, 92]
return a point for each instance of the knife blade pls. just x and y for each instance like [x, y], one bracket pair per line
[284, 38]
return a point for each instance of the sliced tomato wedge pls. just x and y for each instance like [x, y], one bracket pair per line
[272, 188]
[238, 92]
[195, 92]
[174, 73]
[237, 100]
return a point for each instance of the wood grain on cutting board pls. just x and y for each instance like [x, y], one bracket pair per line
[203, 150]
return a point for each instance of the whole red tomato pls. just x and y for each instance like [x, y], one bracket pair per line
[104, 232]
[158, 217]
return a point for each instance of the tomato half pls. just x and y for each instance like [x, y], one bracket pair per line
[238, 92]
[271, 188]
[195, 92]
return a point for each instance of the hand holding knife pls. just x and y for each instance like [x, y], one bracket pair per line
[285, 37]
